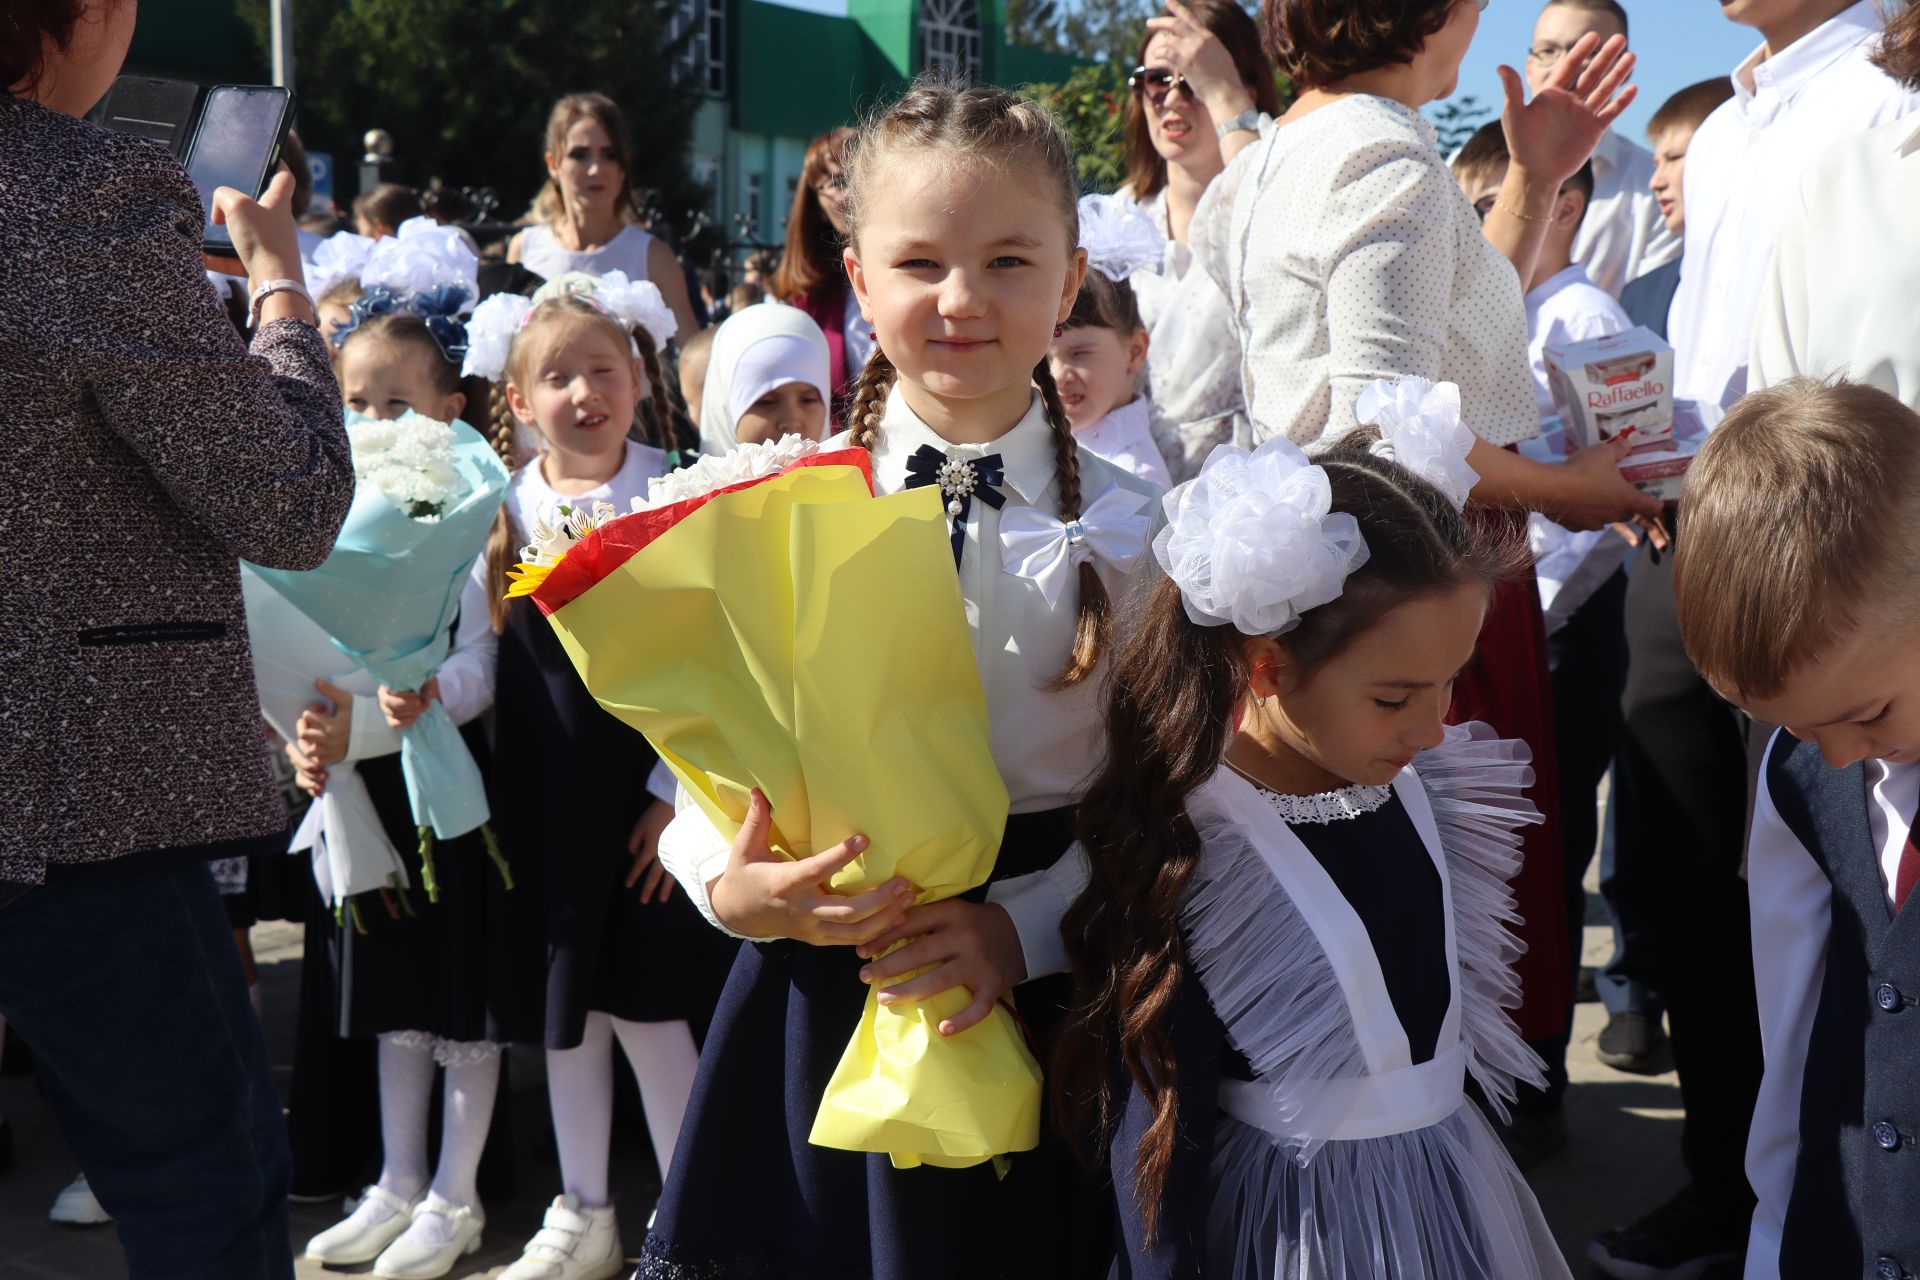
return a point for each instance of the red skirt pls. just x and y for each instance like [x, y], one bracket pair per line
[1508, 686]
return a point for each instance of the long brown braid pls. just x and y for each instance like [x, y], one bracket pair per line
[1000, 129]
[501, 552]
[670, 427]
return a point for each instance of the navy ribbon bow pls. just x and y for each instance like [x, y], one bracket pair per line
[961, 481]
[438, 308]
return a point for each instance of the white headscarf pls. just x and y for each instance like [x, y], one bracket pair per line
[757, 350]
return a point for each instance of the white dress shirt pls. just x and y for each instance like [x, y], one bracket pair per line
[1046, 742]
[1839, 297]
[1743, 168]
[1347, 253]
[1124, 437]
[1791, 901]
[1624, 234]
[1570, 567]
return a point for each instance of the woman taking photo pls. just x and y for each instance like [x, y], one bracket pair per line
[1202, 92]
[144, 449]
[810, 276]
[588, 220]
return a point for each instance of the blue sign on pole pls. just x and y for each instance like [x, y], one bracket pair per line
[320, 165]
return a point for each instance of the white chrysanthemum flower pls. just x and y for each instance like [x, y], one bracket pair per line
[410, 460]
[736, 466]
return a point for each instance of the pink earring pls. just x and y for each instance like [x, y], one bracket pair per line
[1059, 329]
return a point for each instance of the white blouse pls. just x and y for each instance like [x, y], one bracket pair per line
[1743, 168]
[1046, 742]
[1125, 437]
[542, 253]
[1346, 254]
[1839, 296]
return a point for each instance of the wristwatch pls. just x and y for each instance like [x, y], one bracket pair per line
[266, 289]
[1248, 120]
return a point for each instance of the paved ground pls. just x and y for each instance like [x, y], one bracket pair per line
[1623, 1158]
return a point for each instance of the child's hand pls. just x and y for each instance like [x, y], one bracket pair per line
[322, 734]
[970, 944]
[307, 775]
[761, 895]
[644, 845]
[404, 706]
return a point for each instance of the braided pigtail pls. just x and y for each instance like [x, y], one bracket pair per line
[1095, 629]
[501, 551]
[869, 405]
[673, 429]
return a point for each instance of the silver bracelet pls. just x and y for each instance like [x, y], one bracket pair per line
[266, 289]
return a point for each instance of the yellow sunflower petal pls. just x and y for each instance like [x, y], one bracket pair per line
[525, 579]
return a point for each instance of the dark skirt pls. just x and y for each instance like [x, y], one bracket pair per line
[783, 1022]
[413, 965]
[1509, 686]
[568, 784]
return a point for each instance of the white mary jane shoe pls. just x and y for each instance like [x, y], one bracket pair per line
[573, 1243]
[76, 1206]
[409, 1259]
[349, 1243]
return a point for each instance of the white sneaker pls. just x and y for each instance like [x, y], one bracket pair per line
[440, 1235]
[573, 1243]
[76, 1206]
[369, 1227]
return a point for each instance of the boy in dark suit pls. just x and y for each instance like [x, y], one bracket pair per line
[1803, 614]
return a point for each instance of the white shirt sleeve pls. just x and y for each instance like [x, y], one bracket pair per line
[695, 853]
[1780, 318]
[662, 785]
[1791, 902]
[1036, 903]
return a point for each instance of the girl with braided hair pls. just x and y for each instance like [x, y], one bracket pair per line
[606, 951]
[963, 253]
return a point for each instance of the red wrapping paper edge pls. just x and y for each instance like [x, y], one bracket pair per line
[614, 543]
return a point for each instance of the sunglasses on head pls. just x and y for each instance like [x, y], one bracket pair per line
[1155, 83]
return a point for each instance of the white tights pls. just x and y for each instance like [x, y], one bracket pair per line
[580, 1088]
[406, 1087]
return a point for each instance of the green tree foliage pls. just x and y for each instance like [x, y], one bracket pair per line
[1457, 120]
[464, 86]
[1091, 105]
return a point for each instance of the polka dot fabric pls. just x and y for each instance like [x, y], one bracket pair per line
[1347, 254]
[143, 451]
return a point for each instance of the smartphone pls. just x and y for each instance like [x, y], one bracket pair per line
[236, 143]
[162, 110]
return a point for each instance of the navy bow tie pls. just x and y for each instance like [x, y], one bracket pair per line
[961, 481]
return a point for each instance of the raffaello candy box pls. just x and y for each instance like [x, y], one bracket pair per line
[1607, 385]
[1657, 467]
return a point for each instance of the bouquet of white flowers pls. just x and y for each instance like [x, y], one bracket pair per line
[409, 459]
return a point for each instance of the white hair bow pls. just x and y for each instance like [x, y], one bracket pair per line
[632, 302]
[490, 333]
[1119, 238]
[424, 257]
[1253, 540]
[1420, 429]
[1046, 549]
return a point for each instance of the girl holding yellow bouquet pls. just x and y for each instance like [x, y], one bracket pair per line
[963, 256]
[606, 946]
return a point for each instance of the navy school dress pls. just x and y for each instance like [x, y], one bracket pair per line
[568, 783]
[748, 1196]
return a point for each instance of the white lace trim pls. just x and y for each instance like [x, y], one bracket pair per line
[1328, 806]
[447, 1053]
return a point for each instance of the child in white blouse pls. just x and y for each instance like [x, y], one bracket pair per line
[963, 255]
[1097, 364]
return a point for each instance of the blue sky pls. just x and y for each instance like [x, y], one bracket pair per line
[1679, 42]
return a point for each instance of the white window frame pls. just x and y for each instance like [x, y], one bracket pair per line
[702, 61]
[950, 37]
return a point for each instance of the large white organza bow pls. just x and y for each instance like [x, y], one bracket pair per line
[490, 333]
[1119, 238]
[632, 302]
[421, 257]
[1047, 549]
[339, 257]
[1253, 539]
[1420, 429]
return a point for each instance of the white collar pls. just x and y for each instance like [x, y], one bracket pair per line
[1791, 69]
[1567, 276]
[1027, 451]
[1129, 418]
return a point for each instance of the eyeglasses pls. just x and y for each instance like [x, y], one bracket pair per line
[1155, 83]
[1549, 55]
